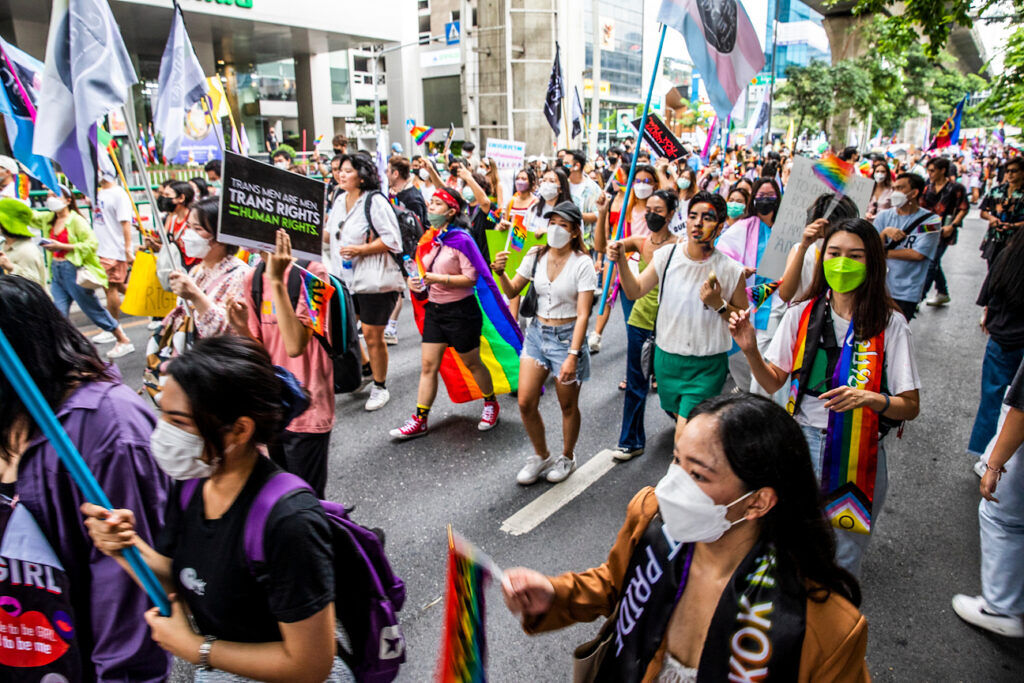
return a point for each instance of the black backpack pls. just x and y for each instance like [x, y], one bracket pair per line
[343, 345]
[409, 227]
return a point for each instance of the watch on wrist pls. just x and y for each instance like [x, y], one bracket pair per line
[722, 309]
[574, 352]
[204, 652]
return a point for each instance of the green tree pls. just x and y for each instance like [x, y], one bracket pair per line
[1007, 98]
[808, 93]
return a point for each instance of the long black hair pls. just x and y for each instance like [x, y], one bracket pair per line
[369, 180]
[564, 194]
[57, 356]
[845, 208]
[1006, 278]
[766, 448]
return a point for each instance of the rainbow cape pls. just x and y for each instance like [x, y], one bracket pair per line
[421, 133]
[758, 294]
[317, 295]
[833, 171]
[464, 642]
[501, 340]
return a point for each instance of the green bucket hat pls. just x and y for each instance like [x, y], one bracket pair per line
[15, 217]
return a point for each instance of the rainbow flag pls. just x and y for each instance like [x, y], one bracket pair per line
[758, 294]
[517, 238]
[317, 295]
[319, 139]
[501, 340]
[833, 171]
[620, 177]
[23, 185]
[464, 642]
[421, 133]
[865, 168]
[494, 215]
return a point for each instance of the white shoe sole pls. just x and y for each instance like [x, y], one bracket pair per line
[395, 434]
[121, 354]
[558, 479]
[370, 408]
[626, 456]
[1004, 626]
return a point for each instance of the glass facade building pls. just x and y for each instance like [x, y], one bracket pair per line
[800, 36]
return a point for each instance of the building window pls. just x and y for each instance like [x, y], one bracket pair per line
[341, 87]
[425, 24]
[442, 102]
[455, 15]
[361, 64]
[424, 5]
[275, 80]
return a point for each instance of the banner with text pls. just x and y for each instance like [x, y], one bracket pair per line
[259, 199]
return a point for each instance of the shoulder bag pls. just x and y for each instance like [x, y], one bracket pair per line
[647, 350]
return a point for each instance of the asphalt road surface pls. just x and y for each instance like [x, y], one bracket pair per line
[925, 549]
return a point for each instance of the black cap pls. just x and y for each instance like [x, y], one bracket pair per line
[569, 211]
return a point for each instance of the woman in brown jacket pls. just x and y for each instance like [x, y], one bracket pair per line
[724, 571]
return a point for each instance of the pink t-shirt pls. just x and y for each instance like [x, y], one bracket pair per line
[313, 368]
[448, 261]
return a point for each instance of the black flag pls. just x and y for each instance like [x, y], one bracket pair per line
[553, 100]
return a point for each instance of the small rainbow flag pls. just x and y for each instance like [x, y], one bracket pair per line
[758, 294]
[421, 133]
[517, 238]
[833, 171]
[620, 176]
[494, 215]
[23, 185]
[317, 294]
[319, 139]
[865, 168]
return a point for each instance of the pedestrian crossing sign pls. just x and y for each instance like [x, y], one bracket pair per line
[451, 33]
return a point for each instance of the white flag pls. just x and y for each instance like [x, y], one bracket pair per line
[180, 85]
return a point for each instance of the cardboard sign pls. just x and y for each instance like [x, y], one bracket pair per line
[506, 153]
[801, 191]
[660, 138]
[259, 199]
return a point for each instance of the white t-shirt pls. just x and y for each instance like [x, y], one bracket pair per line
[557, 300]
[113, 206]
[368, 274]
[900, 359]
[807, 268]
[685, 326]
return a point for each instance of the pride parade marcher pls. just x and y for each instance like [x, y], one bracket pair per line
[19, 254]
[451, 270]
[272, 621]
[947, 199]
[802, 261]
[1003, 208]
[735, 522]
[110, 425]
[698, 285]
[563, 277]
[112, 223]
[851, 359]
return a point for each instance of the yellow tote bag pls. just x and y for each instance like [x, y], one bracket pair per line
[144, 295]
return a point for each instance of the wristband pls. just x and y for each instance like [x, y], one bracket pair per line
[574, 352]
[1000, 471]
[204, 653]
[722, 309]
[888, 402]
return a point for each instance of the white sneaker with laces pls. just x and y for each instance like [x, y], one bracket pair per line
[624, 454]
[378, 398]
[120, 350]
[154, 324]
[561, 469]
[975, 611]
[980, 468]
[390, 337]
[534, 467]
[938, 300]
[104, 338]
[594, 342]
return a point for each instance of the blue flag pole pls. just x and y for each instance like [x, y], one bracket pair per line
[72, 459]
[632, 172]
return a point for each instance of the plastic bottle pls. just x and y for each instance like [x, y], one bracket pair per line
[411, 269]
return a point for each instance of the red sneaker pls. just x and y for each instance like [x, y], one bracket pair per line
[413, 427]
[489, 418]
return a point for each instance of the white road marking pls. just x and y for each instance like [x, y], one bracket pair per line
[551, 501]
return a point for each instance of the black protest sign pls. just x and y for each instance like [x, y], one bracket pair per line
[259, 199]
[660, 138]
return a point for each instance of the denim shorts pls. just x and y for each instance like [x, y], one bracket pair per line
[549, 347]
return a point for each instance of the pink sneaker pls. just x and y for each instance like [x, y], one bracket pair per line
[489, 417]
[413, 427]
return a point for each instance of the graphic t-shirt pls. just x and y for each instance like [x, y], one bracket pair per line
[214, 578]
[113, 207]
[906, 278]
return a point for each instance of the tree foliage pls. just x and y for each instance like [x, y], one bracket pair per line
[1007, 98]
[809, 93]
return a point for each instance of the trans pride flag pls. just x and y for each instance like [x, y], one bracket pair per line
[501, 340]
[722, 44]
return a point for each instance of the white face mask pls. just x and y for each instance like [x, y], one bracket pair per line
[683, 183]
[549, 190]
[880, 177]
[55, 204]
[178, 453]
[898, 199]
[558, 236]
[195, 245]
[281, 164]
[690, 515]
[423, 174]
[643, 191]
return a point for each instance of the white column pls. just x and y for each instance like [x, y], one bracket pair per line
[313, 89]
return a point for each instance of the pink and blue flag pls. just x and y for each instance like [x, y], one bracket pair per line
[722, 44]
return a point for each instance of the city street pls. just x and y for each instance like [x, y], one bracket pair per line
[925, 549]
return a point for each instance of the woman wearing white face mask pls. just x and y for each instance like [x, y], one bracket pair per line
[553, 190]
[882, 194]
[564, 278]
[736, 522]
[281, 625]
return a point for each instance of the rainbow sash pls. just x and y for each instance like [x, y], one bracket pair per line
[799, 349]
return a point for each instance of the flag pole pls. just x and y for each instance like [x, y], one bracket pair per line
[632, 171]
[147, 185]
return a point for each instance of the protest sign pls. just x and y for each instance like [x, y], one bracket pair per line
[507, 156]
[497, 240]
[801, 191]
[259, 199]
[660, 138]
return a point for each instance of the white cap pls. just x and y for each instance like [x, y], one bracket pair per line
[9, 164]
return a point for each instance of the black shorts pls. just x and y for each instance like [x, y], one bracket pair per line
[457, 324]
[375, 309]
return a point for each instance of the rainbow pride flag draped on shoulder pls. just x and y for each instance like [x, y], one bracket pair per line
[501, 340]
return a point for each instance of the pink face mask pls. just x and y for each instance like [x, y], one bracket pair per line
[522, 185]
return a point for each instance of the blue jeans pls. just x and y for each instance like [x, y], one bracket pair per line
[632, 435]
[548, 346]
[1002, 541]
[850, 546]
[997, 371]
[65, 290]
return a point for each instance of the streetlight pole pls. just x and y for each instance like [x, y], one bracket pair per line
[771, 95]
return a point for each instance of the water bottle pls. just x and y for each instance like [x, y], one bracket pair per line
[346, 263]
[410, 266]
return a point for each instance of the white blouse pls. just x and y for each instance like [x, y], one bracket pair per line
[557, 300]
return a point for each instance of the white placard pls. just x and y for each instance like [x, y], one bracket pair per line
[801, 191]
[506, 153]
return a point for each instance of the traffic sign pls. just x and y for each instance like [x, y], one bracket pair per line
[451, 33]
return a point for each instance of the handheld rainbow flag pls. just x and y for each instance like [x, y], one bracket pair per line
[319, 139]
[494, 215]
[420, 133]
[865, 168]
[517, 234]
[464, 643]
[620, 177]
[833, 171]
[23, 186]
[758, 294]
[317, 294]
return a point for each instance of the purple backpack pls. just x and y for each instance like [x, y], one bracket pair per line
[367, 595]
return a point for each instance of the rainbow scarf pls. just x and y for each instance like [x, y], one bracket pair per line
[464, 643]
[317, 295]
[501, 340]
[421, 133]
[833, 171]
[799, 349]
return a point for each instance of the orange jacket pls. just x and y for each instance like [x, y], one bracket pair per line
[835, 638]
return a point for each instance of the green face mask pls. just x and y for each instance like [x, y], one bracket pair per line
[844, 274]
[735, 209]
[436, 220]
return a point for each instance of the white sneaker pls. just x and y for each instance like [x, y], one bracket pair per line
[975, 611]
[980, 467]
[104, 338]
[594, 342]
[154, 324]
[623, 454]
[938, 300]
[534, 467]
[390, 337]
[120, 350]
[561, 469]
[378, 398]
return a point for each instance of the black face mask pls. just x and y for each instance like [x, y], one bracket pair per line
[655, 222]
[612, 161]
[765, 205]
[165, 204]
[338, 152]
